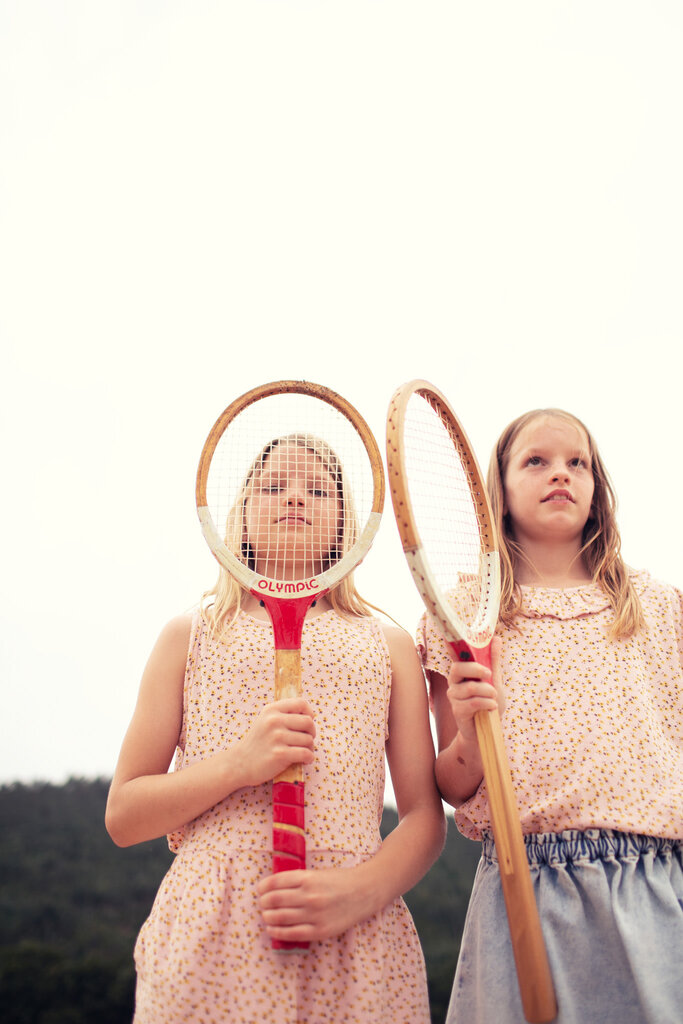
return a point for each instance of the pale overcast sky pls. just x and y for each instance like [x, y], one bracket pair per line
[198, 198]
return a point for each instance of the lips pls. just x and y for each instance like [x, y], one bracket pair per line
[558, 495]
[294, 519]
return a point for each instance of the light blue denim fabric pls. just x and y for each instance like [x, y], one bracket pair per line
[611, 907]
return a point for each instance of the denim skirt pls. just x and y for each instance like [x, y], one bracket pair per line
[611, 909]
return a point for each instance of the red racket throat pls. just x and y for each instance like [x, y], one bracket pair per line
[289, 495]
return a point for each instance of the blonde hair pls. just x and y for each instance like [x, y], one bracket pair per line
[601, 541]
[221, 604]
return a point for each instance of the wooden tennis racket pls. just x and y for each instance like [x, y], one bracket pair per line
[290, 490]
[444, 519]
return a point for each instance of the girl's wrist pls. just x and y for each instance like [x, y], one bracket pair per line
[366, 889]
[233, 768]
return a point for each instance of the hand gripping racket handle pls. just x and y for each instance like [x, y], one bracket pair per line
[528, 946]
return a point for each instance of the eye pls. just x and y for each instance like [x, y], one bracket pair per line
[533, 460]
[577, 463]
[318, 492]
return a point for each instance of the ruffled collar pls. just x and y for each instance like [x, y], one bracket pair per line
[571, 603]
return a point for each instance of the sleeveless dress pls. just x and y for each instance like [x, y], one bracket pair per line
[203, 954]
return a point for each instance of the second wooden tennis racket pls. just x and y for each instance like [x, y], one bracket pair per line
[446, 527]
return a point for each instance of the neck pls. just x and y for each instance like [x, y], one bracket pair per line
[558, 566]
[292, 571]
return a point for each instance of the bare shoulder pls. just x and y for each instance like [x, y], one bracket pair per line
[401, 646]
[169, 654]
[177, 631]
[408, 706]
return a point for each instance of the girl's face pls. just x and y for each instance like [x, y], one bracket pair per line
[292, 513]
[548, 482]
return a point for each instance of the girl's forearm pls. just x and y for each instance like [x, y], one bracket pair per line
[150, 806]
[459, 771]
[404, 857]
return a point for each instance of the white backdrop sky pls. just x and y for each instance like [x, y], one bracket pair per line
[198, 198]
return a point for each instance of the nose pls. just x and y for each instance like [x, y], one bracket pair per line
[294, 496]
[558, 472]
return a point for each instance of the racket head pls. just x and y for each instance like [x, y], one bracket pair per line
[289, 434]
[443, 514]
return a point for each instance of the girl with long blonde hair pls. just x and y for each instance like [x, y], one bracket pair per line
[204, 954]
[223, 602]
[588, 678]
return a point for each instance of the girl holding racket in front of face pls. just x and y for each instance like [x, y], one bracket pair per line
[205, 953]
[588, 658]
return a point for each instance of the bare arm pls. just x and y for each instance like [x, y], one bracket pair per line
[413, 846]
[303, 905]
[145, 801]
[469, 688]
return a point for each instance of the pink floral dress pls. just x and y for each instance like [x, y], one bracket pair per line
[203, 954]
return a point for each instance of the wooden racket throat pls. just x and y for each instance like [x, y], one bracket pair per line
[428, 453]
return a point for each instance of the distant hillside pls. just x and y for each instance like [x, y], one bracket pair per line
[71, 904]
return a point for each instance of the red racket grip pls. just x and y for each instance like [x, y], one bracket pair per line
[289, 840]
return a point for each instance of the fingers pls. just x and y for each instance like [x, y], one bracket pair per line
[293, 705]
[469, 680]
[465, 670]
[473, 687]
[293, 714]
[310, 905]
[294, 725]
[283, 733]
[284, 908]
[297, 716]
[280, 889]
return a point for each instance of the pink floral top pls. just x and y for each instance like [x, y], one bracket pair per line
[593, 728]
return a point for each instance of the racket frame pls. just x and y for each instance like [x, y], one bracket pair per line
[473, 643]
[265, 587]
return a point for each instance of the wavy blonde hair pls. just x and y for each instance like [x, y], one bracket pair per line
[601, 541]
[221, 604]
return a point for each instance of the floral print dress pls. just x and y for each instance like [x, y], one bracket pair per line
[203, 955]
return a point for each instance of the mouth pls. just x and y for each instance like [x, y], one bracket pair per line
[558, 495]
[294, 520]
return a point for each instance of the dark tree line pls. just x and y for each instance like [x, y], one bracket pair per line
[71, 904]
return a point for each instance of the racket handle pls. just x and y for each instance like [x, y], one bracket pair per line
[289, 828]
[528, 946]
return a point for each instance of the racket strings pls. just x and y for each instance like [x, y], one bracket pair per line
[450, 521]
[290, 486]
[294, 509]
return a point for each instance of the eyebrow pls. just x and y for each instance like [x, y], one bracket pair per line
[313, 477]
[539, 450]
